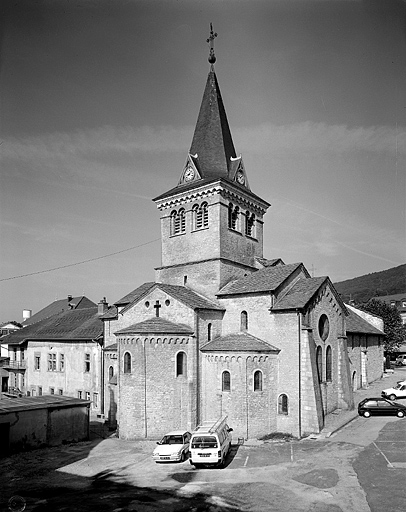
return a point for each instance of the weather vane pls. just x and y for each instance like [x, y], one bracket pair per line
[210, 40]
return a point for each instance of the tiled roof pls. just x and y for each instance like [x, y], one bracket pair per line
[112, 312]
[58, 306]
[238, 342]
[181, 293]
[264, 280]
[300, 294]
[269, 263]
[356, 324]
[135, 294]
[111, 348]
[156, 325]
[71, 324]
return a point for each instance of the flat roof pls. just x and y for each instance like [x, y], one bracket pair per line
[27, 403]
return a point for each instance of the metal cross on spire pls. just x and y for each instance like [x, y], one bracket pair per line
[210, 40]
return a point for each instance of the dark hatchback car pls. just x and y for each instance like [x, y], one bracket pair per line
[380, 407]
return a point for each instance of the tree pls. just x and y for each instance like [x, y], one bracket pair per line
[394, 329]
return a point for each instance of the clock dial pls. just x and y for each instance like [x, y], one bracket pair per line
[189, 174]
[240, 177]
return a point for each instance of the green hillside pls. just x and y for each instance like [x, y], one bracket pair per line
[363, 288]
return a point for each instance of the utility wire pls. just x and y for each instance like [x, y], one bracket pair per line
[79, 262]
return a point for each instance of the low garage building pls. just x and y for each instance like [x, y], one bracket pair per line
[48, 420]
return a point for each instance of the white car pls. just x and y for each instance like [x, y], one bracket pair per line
[398, 391]
[173, 447]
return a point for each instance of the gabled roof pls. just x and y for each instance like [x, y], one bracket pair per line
[303, 291]
[264, 280]
[238, 342]
[358, 325]
[58, 306]
[156, 325]
[180, 293]
[71, 324]
[300, 294]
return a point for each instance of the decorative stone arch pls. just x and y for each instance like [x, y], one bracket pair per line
[226, 381]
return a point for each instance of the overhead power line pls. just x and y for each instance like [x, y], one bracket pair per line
[79, 262]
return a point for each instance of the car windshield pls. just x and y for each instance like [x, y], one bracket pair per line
[204, 442]
[172, 440]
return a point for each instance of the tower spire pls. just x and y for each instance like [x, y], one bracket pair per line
[210, 40]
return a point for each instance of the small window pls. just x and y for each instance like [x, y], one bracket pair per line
[127, 362]
[87, 363]
[111, 372]
[37, 361]
[95, 400]
[226, 381]
[258, 380]
[51, 391]
[200, 216]
[80, 394]
[60, 392]
[180, 364]
[328, 365]
[244, 321]
[87, 395]
[283, 405]
[39, 390]
[208, 332]
[61, 362]
[51, 362]
[319, 361]
[178, 222]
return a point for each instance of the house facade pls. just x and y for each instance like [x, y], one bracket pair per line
[60, 355]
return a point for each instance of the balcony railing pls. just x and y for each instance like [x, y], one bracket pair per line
[13, 365]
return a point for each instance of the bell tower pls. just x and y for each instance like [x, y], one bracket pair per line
[211, 221]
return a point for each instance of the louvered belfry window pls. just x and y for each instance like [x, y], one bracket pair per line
[249, 224]
[200, 216]
[178, 222]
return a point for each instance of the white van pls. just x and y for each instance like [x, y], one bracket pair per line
[210, 443]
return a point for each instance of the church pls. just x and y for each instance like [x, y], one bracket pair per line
[223, 330]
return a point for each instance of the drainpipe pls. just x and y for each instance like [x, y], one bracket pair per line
[299, 329]
[145, 389]
[198, 401]
[246, 394]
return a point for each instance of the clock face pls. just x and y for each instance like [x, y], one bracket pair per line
[240, 177]
[189, 174]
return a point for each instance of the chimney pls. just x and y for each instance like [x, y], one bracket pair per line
[26, 314]
[102, 306]
[70, 298]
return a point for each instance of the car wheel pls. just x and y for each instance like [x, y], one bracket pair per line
[366, 414]
[392, 397]
[400, 414]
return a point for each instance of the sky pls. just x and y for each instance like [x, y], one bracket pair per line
[98, 103]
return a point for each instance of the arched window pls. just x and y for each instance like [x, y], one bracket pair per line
[226, 381]
[244, 321]
[249, 223]
[200, 216]
[111, 372]
[208, 332]
[319, 361]
[283, 404]
[181, 364]
[233, 213]
[258, 380]
[178, 222]
[127, 362]
[328, 365]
